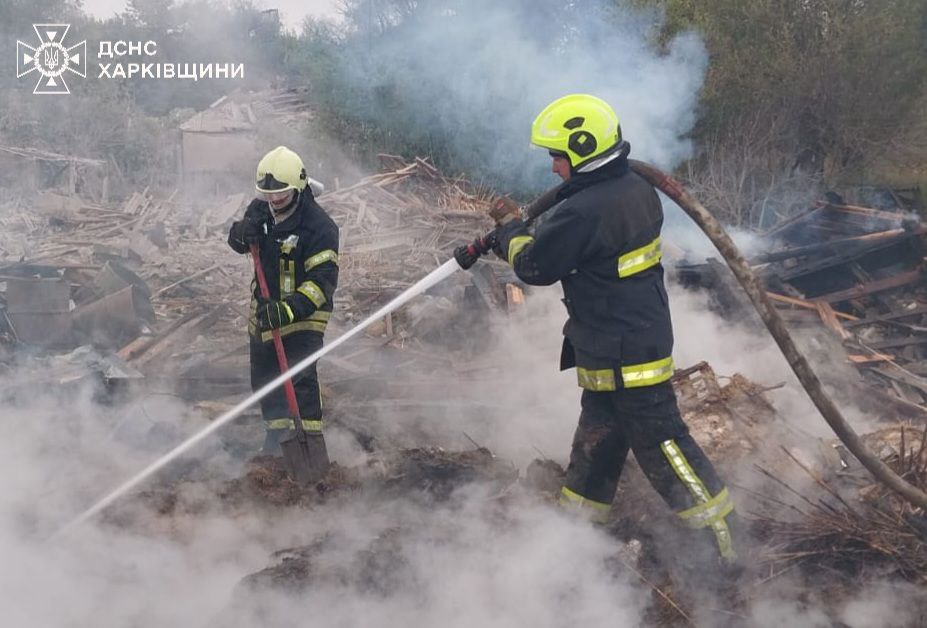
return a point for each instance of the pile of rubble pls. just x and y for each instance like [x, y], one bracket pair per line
[151, 284]
[853, 526]
[855, 270]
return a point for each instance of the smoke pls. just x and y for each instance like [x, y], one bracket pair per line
[517, 564]
[455, 566]
[477, 76]
[467, 79]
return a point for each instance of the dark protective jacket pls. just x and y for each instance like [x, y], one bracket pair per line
[300, 261]
[602, 242]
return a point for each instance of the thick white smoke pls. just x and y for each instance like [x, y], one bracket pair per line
[474, 75]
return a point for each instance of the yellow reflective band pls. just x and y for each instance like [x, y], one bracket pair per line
[703, 498]
[328, 255]
[686, 473]
[313, 292]
[648, 373]
[286, 330]
[640, 259]
[593, 510]
[602, 380]
[320, 315]
[712, 511]
[516, 244]
[310, 425]
[632, 376]
[287, 277]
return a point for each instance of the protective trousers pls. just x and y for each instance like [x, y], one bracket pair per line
[647, 421]
[274, 409]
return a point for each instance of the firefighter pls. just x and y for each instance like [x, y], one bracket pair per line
[602, 242]
[298, 244]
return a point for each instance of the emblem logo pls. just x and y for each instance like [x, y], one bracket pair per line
[51, 59]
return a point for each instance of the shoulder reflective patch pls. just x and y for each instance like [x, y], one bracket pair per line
[516, 245]
[328, 255]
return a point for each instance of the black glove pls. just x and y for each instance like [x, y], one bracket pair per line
[273, 315]
[467, 255]
[255, 223]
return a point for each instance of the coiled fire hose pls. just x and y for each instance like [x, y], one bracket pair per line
[774, 323]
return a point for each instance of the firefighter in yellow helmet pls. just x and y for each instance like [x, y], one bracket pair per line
[601, 241]
[298, 244]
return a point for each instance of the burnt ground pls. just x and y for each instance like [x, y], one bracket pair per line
[730, 417]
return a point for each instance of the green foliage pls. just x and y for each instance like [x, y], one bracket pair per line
[833, 88]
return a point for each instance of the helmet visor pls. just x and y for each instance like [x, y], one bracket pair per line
[278, 200]
[269, 185]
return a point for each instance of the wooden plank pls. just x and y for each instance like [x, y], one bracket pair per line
[901, 406]
[904, 393]
[873, 287]
[899, 375]
[178, 335]
[866, 212]
[920, 310]
[918, 368]
[788, 222]
[514, 296]
[839, 259]
[892, 343]
[185, 280]
[141, 344]
[829, 317]
[867, 359]
[824, 247]
[808, 305]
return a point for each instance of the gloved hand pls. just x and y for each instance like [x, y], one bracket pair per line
[503, 210]
[255, 223]
[273, 314]
[467, 255]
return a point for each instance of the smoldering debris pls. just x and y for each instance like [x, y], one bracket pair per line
[410, 442]
[851, 526]
[430, 478]
[856, 272]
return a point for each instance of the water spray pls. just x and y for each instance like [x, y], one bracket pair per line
[433, 278]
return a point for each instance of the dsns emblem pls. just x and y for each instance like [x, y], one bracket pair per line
[51, 59]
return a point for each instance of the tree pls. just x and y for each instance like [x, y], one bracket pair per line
[828, 89]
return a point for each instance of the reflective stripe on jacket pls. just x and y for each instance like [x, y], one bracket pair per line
[300, 261]
[602, 242]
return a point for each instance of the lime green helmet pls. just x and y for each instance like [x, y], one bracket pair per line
[280, 170]
[579, 126]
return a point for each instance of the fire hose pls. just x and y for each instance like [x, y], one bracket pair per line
[774, 323]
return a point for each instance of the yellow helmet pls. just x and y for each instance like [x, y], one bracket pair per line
[280, 170]
[579, 126]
